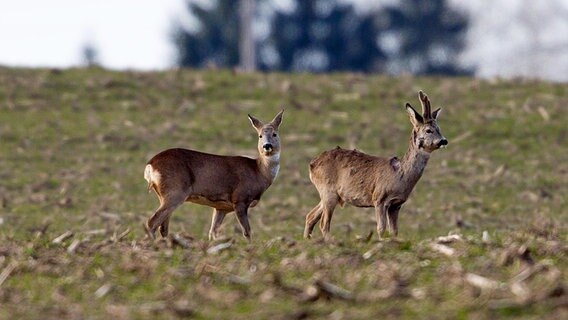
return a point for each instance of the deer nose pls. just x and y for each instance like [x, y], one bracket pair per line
[443, 142]
[267, 147]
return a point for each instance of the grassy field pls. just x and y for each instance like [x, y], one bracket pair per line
[484, 234]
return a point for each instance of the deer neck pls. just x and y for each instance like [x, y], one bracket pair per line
[413, 163]
[269, 166]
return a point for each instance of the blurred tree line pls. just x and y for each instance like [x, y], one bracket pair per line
[408, 36]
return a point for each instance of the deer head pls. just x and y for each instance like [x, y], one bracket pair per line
[268, 138]
[426, 134]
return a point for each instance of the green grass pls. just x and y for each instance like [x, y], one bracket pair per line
[73, 145]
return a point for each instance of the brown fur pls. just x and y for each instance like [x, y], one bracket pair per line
[225, 183]
[350, 176]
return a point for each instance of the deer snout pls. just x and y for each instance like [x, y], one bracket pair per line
[443, 142]
[267, 147]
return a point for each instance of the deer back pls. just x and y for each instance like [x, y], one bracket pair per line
[213, 176]
[355, 176]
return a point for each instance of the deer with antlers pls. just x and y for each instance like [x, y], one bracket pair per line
[349, 176]
[226, 183]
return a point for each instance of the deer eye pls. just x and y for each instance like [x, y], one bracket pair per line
[274, 134]
[260, 136]
[429, 131]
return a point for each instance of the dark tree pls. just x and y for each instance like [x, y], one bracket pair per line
[423, 37]
[409, 36]
[322, 35]
[215, 41]
[90, 55]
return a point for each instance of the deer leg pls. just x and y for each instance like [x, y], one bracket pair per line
[312, 219]
[381, 213]
[242, 217]
[392, 216]
[328, 206]
[162, 215]
[216, 221]
[165, 227]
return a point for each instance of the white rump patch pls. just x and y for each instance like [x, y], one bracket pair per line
[151, 175]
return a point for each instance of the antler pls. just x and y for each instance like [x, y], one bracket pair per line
[426, 107]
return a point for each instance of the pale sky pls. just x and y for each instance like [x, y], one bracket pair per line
[506, 37]
[127, 33]
[517, 38]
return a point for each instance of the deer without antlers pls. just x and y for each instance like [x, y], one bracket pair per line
[349, 176]
[226, 183]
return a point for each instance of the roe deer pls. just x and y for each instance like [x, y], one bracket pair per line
[226, 183]
[364, 180]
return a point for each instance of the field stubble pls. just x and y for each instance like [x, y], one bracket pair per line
[482, 236]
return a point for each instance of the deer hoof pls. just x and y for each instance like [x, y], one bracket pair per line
[149, 231]
[213, 236]
[164, 231]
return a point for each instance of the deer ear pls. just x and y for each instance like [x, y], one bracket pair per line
[277, 120]
[257, 124]
[415, 117]
[436, 113]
